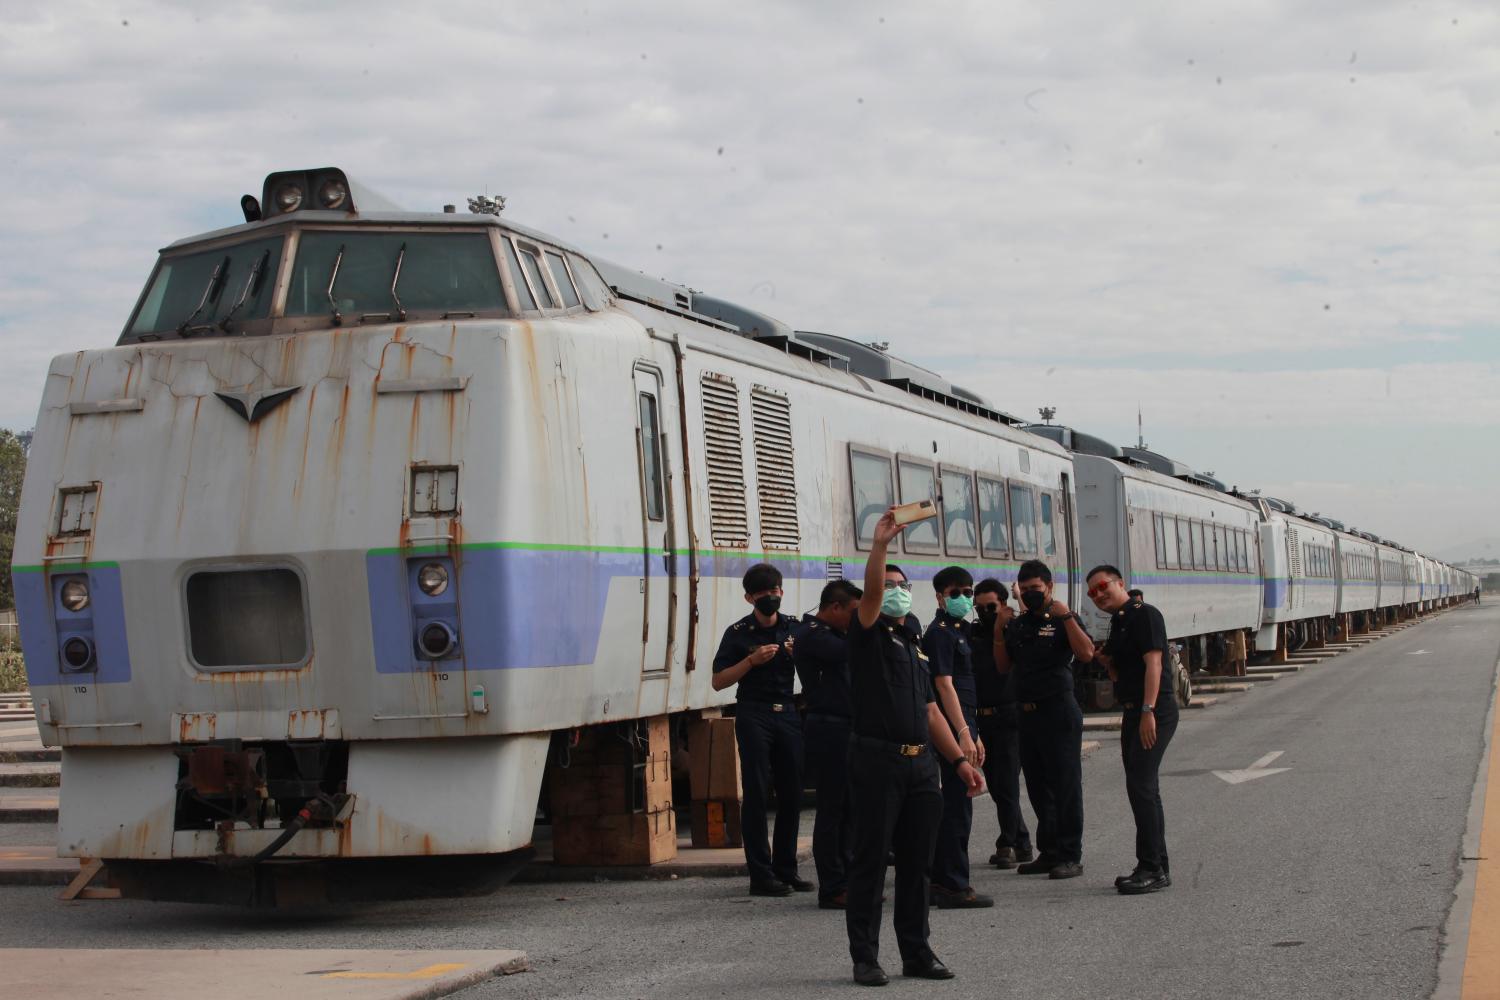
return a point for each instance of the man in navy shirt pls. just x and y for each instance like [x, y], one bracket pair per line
[998, 728]
[821, 653]
[947, 647]
[756, 655]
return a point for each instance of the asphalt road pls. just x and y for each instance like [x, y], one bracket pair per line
[1330, 879]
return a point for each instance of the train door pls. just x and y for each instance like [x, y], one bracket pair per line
[1070, 544]
[658, 560]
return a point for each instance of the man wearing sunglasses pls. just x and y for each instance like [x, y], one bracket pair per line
[998, 731]
[946, 644]
[1038, 646]
[1137, 658]
[892, 776]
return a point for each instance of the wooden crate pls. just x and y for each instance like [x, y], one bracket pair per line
[714, 760]
[634, 839]
[716, 823]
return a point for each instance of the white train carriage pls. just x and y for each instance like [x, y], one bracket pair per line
[1356, 564]
[366, 505]
[1390, 594]
[1301, 592]
[1189, 546]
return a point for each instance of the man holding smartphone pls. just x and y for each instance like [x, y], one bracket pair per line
[998, 729]
[756, 655]
[893, 777]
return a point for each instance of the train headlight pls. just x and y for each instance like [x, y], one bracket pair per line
[333, 193]
[433, 579]
[436, 640]
[288, 197]
[75, 595]
[77, 653]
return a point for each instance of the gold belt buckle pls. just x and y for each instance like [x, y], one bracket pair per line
[912, 750]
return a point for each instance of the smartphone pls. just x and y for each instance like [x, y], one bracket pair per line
[919, 510]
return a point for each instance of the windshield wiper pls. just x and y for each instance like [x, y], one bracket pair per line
[251, 282]
[338, 258]
[210, 293]
[400, 313]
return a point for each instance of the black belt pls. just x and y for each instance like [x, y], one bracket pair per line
[985, 711]
[886, 746]
[772, 705]
[828, 717]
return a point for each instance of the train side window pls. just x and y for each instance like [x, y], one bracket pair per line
[1200, 546]
[993, 526]
[960, 532]
[1023, 519]
[1169, 540]
[650, 429]
[1242, 542]
[525, 301]
[531, 264]
[1049, 532]
[1184, 543]
[917, 481]
[1221, 548]
[562, 279]
[870, 481]
[1161, 540]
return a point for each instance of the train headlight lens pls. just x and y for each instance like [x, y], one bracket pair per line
[289, 197]
[436, 640]
[77, 653]
[433, 579]
[333, 193]
[75, 595]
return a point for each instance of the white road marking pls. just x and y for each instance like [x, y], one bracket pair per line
[1257, 770]
[1417, 652]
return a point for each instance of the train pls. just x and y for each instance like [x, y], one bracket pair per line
[367, 510]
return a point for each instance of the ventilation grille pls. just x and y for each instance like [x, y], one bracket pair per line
[775, 477]
[729, 521]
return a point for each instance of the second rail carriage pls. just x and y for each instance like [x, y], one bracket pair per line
[367, 506]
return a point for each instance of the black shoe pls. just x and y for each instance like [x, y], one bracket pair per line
[1068, 869]
[1005, 857]
[1024, 854]
[964, 899]
[1144, 882]
[838, 901]
[769, 888]
[1122, 879]
[1041, 866]
[930, 969]
[798, 884]
[870, 974]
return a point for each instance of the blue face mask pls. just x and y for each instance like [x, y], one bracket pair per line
[896, 602]
[958, 607]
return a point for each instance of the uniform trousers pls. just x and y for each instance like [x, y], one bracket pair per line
[896, 802]
[1051, 740]
[950, 859]
[1002, 773]
[1143, 787]
[770, 744]
[826, 738]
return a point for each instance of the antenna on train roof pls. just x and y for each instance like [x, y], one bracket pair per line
[1140, 434]
[1047, 412]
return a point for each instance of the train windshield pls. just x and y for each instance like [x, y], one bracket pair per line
[209, 292]
[385, 275]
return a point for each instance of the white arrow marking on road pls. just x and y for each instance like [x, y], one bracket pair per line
[1417, 652]
[1257, 770]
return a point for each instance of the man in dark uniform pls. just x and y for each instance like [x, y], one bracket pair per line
[1135, 654]
[756, 654]
[946, 644]
[998, 731]
[1038, 645]
[893, 777]
[821, 653]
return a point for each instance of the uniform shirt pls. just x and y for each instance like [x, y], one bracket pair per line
[1135, 630]
[1040, 657]
[771, 681]
[890, 680]
[821, 653]
[946, 644]
[995, 689]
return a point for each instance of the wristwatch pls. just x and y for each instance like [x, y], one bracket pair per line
[1148, 708]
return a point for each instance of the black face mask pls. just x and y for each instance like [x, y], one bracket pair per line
[1035, 600]
[768, 604]
[986, 613]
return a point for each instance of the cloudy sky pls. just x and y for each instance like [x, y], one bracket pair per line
[1271, 225]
